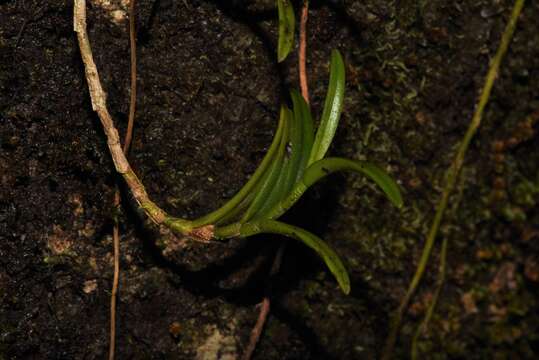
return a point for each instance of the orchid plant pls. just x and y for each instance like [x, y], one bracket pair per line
[295, 160]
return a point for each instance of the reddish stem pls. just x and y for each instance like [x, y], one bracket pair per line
[303, 83]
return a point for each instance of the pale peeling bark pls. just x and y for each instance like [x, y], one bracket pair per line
[121, 164]
[99, 105]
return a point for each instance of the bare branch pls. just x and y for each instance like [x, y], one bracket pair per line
[99, 104]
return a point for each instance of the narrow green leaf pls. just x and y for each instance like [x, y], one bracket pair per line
[327, 254]
[302, 112]
[296, 151]
[274, 173]
[256, 179]
[332, 108]
[287, 24]
[324, 167]
[235, 213]
[283, 183]
[267, 186]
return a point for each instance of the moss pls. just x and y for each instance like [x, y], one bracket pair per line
[514, 213]
[520, 304]
[526, 193]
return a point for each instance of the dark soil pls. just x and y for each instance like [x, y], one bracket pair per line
[208, 100]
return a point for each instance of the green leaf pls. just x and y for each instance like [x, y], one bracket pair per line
[268, 185]
[287, 23]
[324, 167]
[296, 152]
[332, 109]
[327, 166]
[327, 254]
[303, 115]
[282, 185]
[235, 213]
[254, 182]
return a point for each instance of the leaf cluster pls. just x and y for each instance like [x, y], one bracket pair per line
[295, 161]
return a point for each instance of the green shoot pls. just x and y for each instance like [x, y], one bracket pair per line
[297, 162]
[314, 242]
[255, 180]
[332, 109]
[294, 161]
[287, 23]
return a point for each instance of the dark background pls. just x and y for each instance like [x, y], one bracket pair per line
[209, 93]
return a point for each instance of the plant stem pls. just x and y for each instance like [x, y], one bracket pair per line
[99, 105]
[303, 82]
[115, 280]
[452, 176]
[264, 306]
[428, 315]
[117, 200]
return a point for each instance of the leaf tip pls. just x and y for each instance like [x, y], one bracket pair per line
[345, 288]
[398, 202]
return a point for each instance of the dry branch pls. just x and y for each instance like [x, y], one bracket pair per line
[99, 105]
